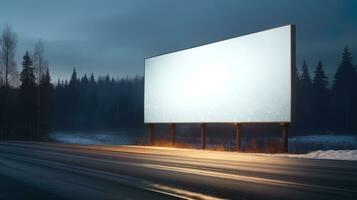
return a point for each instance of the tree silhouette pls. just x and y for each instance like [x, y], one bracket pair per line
[8, 78]
[8, 42]
[320, 97]
[107, 103]
[74, 99]
[92, 101]
[40, 66]
[28, 94]
[342, 94]
[46, 97]
[305, 99]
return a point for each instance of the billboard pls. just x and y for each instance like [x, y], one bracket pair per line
[240, 80]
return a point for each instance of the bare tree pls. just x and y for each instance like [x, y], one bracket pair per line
[39, 62]
[40, 65]
[8, 42]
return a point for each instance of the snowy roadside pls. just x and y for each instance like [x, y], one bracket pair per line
[311, 146]
[326, 146]
[322, 154]
[311, 143]
[113, 138]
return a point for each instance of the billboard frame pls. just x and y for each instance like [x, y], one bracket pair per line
[237, 125]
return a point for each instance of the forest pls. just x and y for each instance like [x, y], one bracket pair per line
[32, 105]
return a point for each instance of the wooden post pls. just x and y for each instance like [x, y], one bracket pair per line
[238, 136]
[285, 137]
[173, 133]
[151, 134]
[203, 135]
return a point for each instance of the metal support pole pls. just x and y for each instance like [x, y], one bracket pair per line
[151, 134]
[203, 135]
[238, 136]
[285, 137]
[173, 133]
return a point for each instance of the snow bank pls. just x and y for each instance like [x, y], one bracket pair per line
[309, 143]
[330, 154]
[116, 138]
[320, 154]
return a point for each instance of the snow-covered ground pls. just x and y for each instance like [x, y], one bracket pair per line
[323, 154]
[330, 154]
[339, 147]
[115, 138]
[310, 143]
[335, 147]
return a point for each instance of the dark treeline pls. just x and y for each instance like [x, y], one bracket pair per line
[26, 110]
[104, 104]
[84, 103]
[31, 105]
[26, 98]
[322, 106]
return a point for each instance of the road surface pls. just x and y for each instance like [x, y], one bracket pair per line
[138, 172]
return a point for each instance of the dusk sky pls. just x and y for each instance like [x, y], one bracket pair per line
[114, 37]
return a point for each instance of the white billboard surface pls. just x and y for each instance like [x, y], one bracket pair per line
[239, 80]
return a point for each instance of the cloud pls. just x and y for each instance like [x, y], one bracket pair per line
[113, 37]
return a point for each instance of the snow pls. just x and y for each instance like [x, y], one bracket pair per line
[320, 154]
[117, 138]
[336, 147]
[325, 146]
[309, 143]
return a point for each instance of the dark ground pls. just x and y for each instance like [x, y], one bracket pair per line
[11, 189]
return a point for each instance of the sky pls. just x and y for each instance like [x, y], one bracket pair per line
[114, 37]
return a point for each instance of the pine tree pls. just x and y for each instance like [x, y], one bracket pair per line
[84, 81]
[320, 97]
[28, 93]
[343, 89]
[305, 98]
[46, 97]
[305, 77]
[74, 99]
[74, 80]
[84, 101]
[59, 83]
[93, 102]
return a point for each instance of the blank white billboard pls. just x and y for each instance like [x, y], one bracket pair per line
[239, 80]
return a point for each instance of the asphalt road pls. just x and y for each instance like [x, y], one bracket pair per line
[134, 172]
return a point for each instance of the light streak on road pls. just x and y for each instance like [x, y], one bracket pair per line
[169, 173]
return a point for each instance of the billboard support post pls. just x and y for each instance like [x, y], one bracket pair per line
[173, 133]
[203, 135]
[238, 136]
[285, 137]
[151, 134]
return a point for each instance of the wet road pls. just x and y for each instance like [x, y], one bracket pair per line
[134, 172]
